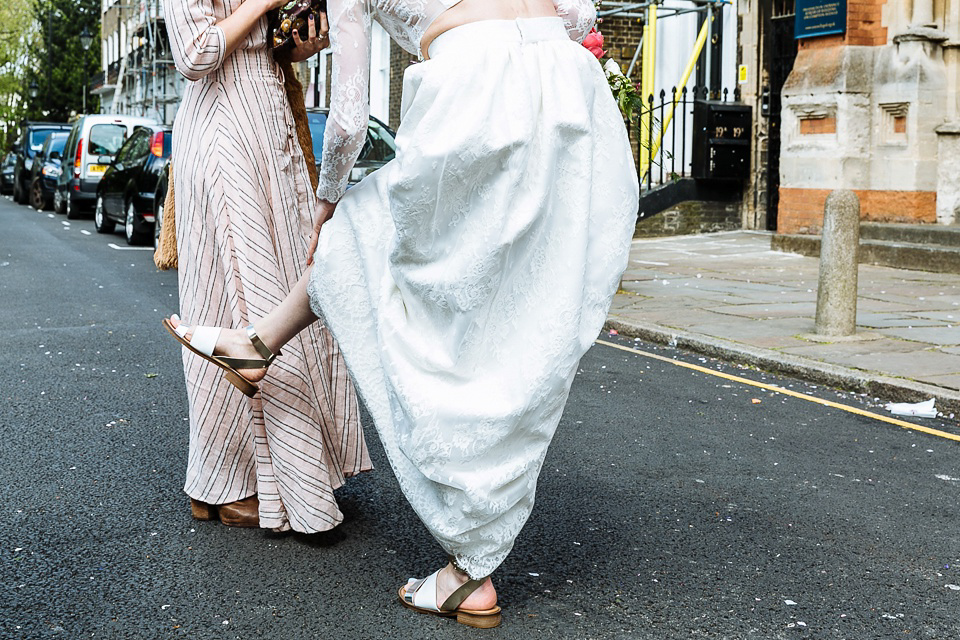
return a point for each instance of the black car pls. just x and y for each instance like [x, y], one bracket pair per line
[6, 173]
[379, 148]
[32, 135]
[127, 192]
[46, 169]
[158, 202]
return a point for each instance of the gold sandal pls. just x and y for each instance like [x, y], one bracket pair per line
[421, 596]
[204, 341]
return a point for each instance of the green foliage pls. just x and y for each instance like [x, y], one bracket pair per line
[626, 92]
[15, 31]
[58, 65]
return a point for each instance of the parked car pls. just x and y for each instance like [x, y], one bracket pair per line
[46, 169]
[32, 135]
[6, 173]
[379, 148]
[127, 192]
[93, 142]
[158, 203]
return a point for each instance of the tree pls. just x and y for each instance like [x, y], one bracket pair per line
[59, 65]
[15, 32]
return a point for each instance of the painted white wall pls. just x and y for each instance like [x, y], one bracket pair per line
[380, 73]
[676, 37]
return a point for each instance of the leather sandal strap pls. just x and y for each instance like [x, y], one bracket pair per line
[243, 363]
[268, 355]
[457, 597]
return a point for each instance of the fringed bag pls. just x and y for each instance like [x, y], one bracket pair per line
[165, 257]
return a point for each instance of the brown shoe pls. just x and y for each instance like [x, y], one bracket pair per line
[202, 510]
[242, 513]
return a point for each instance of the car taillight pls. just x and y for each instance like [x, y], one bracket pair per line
[156, 144]
[78, 161]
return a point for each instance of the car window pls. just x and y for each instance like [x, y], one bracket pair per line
[318, 122]
[105, 139]
[70, 147]
[58, 143]
[124, 151]
[127, 151]
[37, 136]
[139, 147]
[380, 145]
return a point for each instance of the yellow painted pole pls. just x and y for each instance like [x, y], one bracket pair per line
[647, 83]
[691, 64]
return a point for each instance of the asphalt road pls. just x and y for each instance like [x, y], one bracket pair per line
[673, 503]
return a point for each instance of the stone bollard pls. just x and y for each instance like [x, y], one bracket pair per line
[839, 246]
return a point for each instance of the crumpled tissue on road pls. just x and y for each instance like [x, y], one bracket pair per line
[918, 409]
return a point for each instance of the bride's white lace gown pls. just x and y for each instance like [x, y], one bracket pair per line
[465, 279]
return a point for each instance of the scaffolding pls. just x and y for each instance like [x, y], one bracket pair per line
[145, 80]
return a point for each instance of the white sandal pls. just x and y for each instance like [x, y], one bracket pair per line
[421, 596]
[204, 341]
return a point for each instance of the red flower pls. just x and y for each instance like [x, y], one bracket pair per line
[594, 43]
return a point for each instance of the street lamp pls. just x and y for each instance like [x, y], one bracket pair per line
[86, 39]
[34, 89]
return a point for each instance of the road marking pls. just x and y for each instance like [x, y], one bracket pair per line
[84, 232]
[787, 392]
[119, 248]
[65, 223]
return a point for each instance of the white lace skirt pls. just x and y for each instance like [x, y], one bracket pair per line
[465, 279]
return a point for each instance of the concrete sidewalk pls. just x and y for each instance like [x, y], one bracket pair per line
[729, 296]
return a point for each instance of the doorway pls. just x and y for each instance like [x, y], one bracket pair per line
[780, 52]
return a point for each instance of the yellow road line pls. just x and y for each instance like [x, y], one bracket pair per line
[787, 392]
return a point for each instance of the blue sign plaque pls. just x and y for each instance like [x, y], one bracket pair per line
[820, 18]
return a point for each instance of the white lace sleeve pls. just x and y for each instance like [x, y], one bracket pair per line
[349, 95]
[579, 16]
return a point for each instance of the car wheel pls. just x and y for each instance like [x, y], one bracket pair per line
[58, 202]
[100, 220]
[130, 231]
[72, 212]
[36, 195]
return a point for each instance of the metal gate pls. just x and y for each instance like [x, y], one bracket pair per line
[781, 52]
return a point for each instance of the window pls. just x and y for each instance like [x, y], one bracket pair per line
[37, 137]
[380, 145]
[318, 122]
[105, 139]
[784, 8]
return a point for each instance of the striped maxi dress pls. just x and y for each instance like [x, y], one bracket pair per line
[244, 215]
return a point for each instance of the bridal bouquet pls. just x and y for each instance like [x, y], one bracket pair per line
[626, 93]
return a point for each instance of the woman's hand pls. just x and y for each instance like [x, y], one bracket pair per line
[317, 40]
[324, 213]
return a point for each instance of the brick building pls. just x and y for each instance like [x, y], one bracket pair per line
[874, 108]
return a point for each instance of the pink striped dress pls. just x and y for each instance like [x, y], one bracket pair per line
[244, 215]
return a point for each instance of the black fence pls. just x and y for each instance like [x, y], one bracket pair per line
[669, 157]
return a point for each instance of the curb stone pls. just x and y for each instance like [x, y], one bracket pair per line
[887, 388]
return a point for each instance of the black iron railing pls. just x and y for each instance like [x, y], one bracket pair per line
[666, 156]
